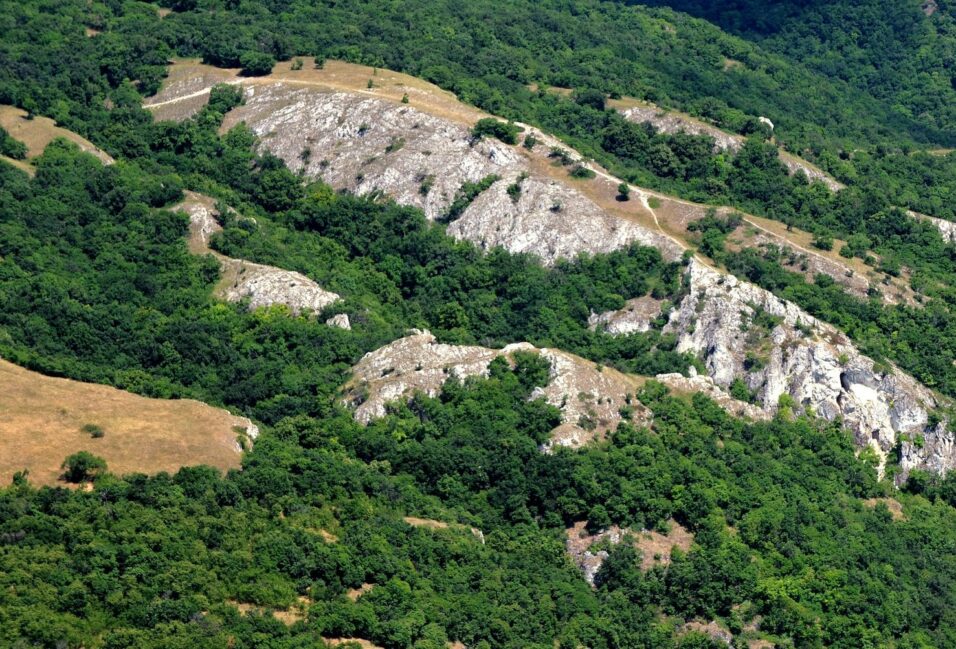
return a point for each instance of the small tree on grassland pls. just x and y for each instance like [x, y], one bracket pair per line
[82, 466]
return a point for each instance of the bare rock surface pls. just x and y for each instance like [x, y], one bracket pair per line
[242, 280]
[637, 316]
[672, 122]
[340, 320]
[741, 330]
[366, 144]
[265, 286]
[590, 398]
[946, 228]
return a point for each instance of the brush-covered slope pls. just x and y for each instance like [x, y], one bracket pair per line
[417, 155]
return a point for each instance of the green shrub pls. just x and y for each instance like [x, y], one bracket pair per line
[93, 430]
[507, 132]
[256, 64]
[82, 466]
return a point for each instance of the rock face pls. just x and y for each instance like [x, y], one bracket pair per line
[590, 398]
[946, 228]
[636, 317]
[340, 320]
[741, 330]
[264, 286]
[365, 145]
[244, 280]
[669, 122]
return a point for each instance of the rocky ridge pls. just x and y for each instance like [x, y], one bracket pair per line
[780, 351]
[366, 145]
[261, 285]
[590, 398]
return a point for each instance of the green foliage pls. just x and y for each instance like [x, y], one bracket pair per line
[93, 430]
[466, 196]
[823, 241]
[11, 147]
[589, 97]
[489, 126]
[82, 466]
[892, 51]
[256, 64]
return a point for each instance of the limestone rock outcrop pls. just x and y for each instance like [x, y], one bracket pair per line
[366, 145]
[637, 316]
[589, 397]
[264, 286]
[242, 280]
[779, 350]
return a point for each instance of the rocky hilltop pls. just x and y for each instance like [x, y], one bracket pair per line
[365, 144]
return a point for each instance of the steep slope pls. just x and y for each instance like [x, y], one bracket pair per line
[742, 331]
[242, 280]
[44, 416]
[367, 140]
[329, 124]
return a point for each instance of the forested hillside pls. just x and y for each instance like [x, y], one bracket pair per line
[450, 522]
[900, 52]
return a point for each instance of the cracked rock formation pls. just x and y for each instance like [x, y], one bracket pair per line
[590, 398]
[244, 280]
[741, 330]
[365, 145]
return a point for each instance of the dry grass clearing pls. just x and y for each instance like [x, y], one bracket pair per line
[38, 132]
[43, 419]
[428, 523]
[186, 88]
[896, 509]
[348, 643]
[354, 593]
[656, 548]
[287, 616]
[25, 167]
